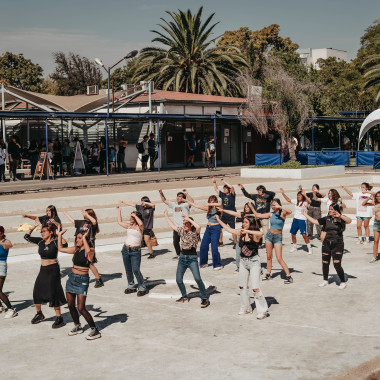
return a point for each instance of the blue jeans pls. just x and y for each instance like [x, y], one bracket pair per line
[191, 262]
[212, 234]
[132, 262]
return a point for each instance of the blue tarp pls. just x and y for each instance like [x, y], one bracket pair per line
[268, 159]
[365, 158]
[376, 160]
[333, 158]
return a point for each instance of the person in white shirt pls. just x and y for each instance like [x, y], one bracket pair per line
[299, 220]
[363, 212]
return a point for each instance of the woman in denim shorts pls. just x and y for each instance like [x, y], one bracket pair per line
[273, 238]
[5, 245]
[78, 281]
[375, 202]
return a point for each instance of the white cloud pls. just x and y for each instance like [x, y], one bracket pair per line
[38, 44]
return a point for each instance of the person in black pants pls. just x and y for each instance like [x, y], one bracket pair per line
[314, 209]
[333, 246]
[57, 157]
[14, 153]
[121, 166]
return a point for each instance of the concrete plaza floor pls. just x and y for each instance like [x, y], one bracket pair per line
[312, 332]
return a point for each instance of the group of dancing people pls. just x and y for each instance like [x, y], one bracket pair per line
[262, 223]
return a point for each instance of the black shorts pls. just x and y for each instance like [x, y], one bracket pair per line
[145, 158]
[190, 153]
[147, 231]
[229, 221]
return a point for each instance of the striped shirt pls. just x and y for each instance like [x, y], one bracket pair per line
[189, 239]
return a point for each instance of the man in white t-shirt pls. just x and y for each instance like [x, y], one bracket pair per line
[180, 207]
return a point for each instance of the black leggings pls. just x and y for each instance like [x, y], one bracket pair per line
[81, 307]
[3, 297]
[332, 248]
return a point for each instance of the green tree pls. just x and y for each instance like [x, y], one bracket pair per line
[369, 42]
[372, 75]
[258, 44]
[188, 61]
[20, 72]
[74, 73]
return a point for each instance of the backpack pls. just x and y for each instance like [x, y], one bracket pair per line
[140, 147]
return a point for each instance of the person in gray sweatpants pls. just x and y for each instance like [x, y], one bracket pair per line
[314, 209]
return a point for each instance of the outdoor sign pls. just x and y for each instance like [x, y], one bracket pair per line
[78, 158]
[41, 167]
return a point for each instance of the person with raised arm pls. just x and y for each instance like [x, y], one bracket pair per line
[190, 236]
[78, 281]
[228, 198]
[180, 207]
[247, 211]
[262, 201]
[48, 287]
[250, 267]
[51, 217]
[333, 245]
[314, 209]
[89, 222]
[374, 202]
[5, 246]
[211, 234]
[363, 212]
[273, 238]
[299, 220]
[146, 209]
[131, 252]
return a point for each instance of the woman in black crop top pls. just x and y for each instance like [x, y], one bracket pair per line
[78, 281]
[88, 223]
[250, 266]
[47, 287]
[51, 217]
[333, 246]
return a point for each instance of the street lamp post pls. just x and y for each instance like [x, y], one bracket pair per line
[99, 62]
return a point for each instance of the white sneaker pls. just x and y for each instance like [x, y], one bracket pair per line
[310, 251]
[293, 249]
[324, 283]
[359, 241]
[218, 268]
[343, 285]
[366, 242]
[262, 316]
[244, 312]
[2, 309]
[373, 260]
[10, 314]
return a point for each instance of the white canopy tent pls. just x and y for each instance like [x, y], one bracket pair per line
[369, 122]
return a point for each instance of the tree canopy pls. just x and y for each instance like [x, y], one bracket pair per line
[74, 73]
[189, 61]
[18, 71]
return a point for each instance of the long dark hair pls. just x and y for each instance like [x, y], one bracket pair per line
[367, 185]
[303, 198]
[91, 212]
[338, 221]
[210, 198]
[375, 198]
[51, 228]
[334, 195]
[53, 211]
[2, 231]
[254, 225]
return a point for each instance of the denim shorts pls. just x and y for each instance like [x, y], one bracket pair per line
[363, 217]
[77, 284]
[376, 225]
[3, 268]
[273, 238]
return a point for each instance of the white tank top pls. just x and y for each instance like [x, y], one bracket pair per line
[133, 238]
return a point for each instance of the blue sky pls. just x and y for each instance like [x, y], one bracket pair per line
[109, 29]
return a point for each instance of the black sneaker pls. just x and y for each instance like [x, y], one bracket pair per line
[267, 277]
[176, 257]
[99, 283]
[94, 334]
[205, 302]
[141, 293]
[234, 246]
[39, 317]
[151, 256]
[76, 330]
[182, 300]
[220, 244]
[288, 280]
[129, 291]
[59, 322]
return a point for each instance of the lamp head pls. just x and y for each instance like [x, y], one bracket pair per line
[131, 54]
[99, 62]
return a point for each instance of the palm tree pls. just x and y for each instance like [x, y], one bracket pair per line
[188, 62]
[372, 75]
